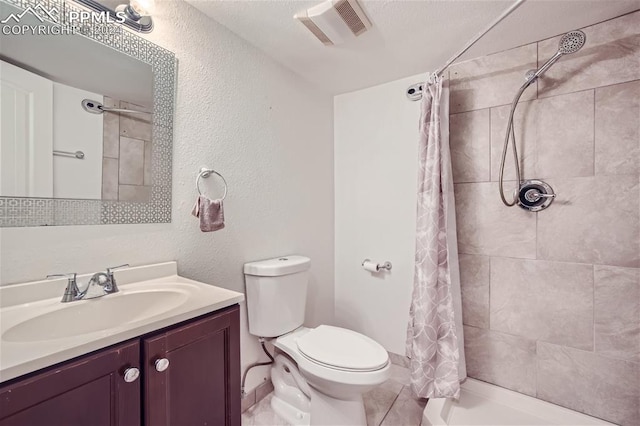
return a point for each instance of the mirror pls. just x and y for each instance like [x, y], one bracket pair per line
[86, 121]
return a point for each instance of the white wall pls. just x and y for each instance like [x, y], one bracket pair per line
[376, 166]
[74, 129]
[265, 129]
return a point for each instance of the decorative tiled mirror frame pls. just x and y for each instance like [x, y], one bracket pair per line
[22, 211]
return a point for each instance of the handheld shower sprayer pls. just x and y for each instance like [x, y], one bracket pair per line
[569, 43]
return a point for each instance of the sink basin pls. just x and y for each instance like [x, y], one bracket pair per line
[38, 331]
[94, 315]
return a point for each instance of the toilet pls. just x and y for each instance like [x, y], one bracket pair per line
[321, 373]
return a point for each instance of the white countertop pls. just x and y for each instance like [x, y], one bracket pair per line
[24, 302]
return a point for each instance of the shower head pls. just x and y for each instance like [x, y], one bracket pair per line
[571, 42]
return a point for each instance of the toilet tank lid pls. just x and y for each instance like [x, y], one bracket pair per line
[278, 266]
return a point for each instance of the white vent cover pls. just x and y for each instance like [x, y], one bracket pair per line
[335, 21]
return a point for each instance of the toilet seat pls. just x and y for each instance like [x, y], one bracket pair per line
[342, 349]
[326, 377]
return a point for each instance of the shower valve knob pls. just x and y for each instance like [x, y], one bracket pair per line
[535, 195]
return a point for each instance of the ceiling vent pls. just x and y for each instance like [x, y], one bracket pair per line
[335, 21]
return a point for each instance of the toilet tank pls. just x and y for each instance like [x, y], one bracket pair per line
[276, 294]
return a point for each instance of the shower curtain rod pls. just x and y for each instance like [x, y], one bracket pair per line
[417, 91]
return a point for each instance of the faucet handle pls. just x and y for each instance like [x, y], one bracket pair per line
[71, 292]
[111, 268]
[70, 275]
[113, 287]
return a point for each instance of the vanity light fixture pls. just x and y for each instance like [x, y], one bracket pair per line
[137, 13]
[136, 10]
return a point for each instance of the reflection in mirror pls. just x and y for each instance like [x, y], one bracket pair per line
[102, 165]
[52, 147]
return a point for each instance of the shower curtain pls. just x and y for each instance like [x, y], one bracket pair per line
[434, 336]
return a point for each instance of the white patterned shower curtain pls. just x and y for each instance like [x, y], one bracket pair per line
[434, 336]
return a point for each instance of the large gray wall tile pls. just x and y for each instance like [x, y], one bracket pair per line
[499, 358]
[593, 220]
[542, 300]
[110, 129]
[611, 55]
[131, 161]
[487, 227]
[469, 140]
[554, 137]
[135, 193]
[110, 135]
[109, 178]
[525, 129]
[134, 107]
[617, 129]
[617, 312]
[491, 80]
[564, 146]
[137, 126]
[589, 383]
[474, 283]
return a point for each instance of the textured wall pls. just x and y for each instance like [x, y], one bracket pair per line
[551, 300]
[261, 126]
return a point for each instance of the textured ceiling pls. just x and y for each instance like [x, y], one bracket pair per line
[408, 37]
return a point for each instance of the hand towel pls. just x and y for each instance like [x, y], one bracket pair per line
[210, 213]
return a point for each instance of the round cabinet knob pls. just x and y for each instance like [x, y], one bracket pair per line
[161, 364]
[131, 374]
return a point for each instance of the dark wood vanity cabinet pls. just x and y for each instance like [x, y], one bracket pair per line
[200, 385]
[87, 391]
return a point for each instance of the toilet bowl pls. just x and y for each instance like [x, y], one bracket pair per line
[321, 374]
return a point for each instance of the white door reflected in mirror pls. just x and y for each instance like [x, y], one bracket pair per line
[26, 139]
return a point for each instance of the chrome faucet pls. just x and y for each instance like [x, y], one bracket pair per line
[100, 284]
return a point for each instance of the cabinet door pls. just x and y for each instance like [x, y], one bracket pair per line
[89, 391]
[201, 385]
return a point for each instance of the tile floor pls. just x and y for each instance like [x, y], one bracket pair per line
[390, 404]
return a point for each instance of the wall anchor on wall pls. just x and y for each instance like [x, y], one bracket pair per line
[414, 92]
[370, 266]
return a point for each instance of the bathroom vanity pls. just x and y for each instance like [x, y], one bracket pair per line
[176, 364]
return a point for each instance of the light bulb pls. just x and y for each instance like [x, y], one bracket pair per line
[142, 7]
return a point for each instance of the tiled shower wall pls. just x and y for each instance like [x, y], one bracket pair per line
[126, 159]
[551, 300]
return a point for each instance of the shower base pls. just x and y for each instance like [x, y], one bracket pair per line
[486, 404]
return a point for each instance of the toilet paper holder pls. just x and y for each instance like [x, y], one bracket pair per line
[386, 265]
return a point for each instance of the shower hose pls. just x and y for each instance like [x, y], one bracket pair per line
[510, 135]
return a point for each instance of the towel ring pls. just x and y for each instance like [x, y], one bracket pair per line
[205, 173]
